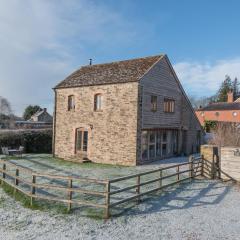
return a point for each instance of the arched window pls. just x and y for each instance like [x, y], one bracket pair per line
[98, 101]
[71, 103]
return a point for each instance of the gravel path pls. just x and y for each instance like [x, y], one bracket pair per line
[202, 209]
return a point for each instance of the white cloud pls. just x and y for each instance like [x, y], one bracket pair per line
[39, 40]
[203, 79]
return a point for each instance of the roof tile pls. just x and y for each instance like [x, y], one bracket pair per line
[116, 72]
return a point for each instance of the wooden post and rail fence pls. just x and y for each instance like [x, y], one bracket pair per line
[31, 184]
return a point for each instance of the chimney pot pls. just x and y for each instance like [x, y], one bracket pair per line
[90, 61]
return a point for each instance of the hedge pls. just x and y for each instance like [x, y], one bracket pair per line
[34, 141]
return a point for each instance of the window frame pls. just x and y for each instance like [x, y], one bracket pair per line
[168, 105]
[154, 103]
[96, 103]
[71, 103]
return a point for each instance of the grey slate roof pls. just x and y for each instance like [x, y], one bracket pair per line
[116, 72]
[221, 106]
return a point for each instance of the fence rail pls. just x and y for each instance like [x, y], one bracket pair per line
[32, 184]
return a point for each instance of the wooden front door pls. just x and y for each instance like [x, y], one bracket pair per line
[81, 143]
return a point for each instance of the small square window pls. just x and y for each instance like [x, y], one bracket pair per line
[154, 103]
[169, 105]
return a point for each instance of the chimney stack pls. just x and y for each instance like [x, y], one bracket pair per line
[45, 109]
[230, 96]
[90, 61]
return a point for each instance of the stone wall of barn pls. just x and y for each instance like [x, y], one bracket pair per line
[112, 131]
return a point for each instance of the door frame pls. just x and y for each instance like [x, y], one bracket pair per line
[81, 153]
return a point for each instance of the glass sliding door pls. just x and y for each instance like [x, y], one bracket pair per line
[144, 145]
[152, 144]
[156, 144]
[164, 142]
[175, 142]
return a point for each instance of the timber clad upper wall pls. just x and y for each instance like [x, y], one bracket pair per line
[160, 81]
[109, 73]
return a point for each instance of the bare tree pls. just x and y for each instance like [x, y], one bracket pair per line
[6, 116]
[200, 102]
[226, 134]
[5, 106]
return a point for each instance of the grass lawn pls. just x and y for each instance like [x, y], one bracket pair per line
[45, 163]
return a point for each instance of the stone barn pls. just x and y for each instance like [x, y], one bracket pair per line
[126, 112]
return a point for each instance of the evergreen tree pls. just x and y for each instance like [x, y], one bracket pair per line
[235, 86]
[225, 87]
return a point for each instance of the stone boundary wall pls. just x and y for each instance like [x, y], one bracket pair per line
[210, 153]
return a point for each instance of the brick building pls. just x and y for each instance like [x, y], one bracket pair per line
[127, 112]
[221, 112]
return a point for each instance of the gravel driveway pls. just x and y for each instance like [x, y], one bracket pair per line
[202, 209]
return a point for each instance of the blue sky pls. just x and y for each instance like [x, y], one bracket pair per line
[43, 41]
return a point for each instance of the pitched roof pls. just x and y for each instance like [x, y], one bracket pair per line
[221, 106]
[116, 72]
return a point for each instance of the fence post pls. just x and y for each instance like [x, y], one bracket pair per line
[213, 170]
[177, 170]
[69, 194]
[4, 169]
[138, 188]
[191, 166]
[16, 180]
[17, 175]
[33, 188]
[218, 165]
[202, 166]
[107, 209]
[160, 180]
